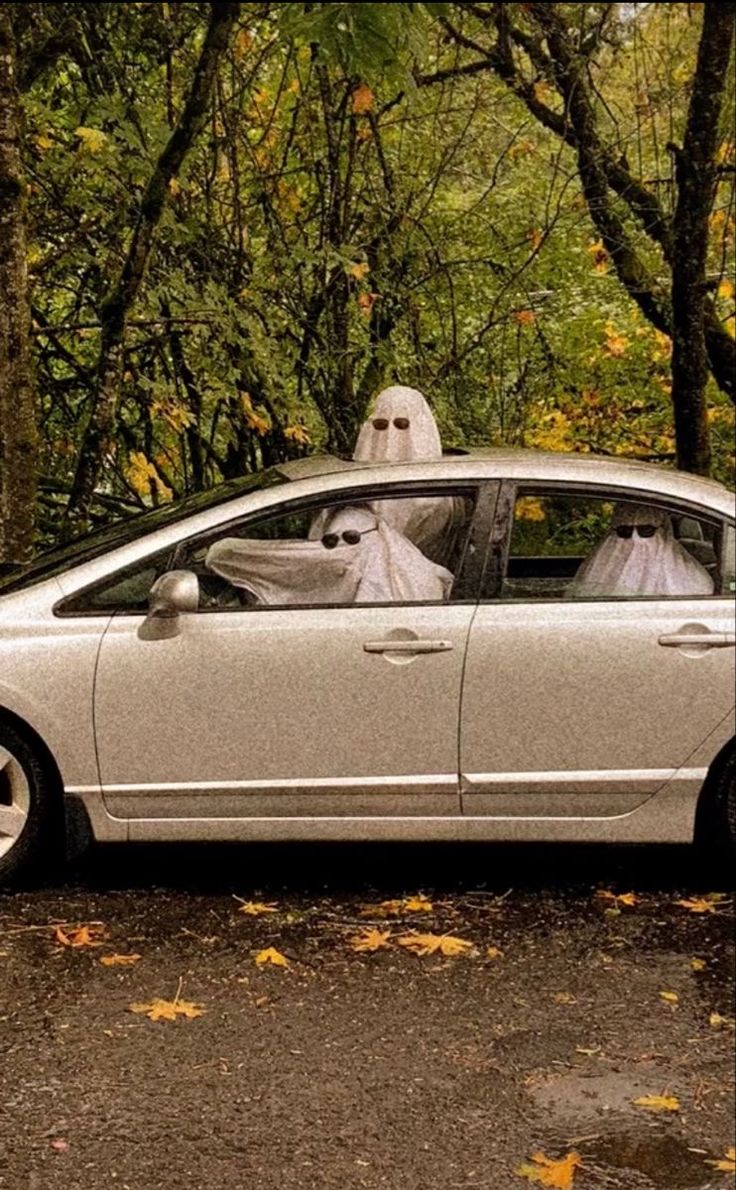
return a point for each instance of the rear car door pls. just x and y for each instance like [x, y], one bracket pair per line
[586, 706]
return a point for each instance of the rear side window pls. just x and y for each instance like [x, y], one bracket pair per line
[581, 546]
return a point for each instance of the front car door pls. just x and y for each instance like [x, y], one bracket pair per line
[583, 705]
[256, 709]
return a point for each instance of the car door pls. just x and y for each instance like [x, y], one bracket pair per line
[265, 710]
[588, 705]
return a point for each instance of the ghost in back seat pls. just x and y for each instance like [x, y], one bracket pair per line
[640, 556]
[400, 429]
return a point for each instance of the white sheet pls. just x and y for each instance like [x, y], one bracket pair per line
[384, 567]
[636, 565]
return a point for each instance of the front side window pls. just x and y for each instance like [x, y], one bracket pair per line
[403, 549]
[581, 546]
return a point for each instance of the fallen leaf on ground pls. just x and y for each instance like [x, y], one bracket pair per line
[256, 908]
[271, 956]
[415, 904]
[549, 1172]
[383, 909]
[564, 998]
[59, 1145]
[493, 952]
[697, 904]
[658, 1102]
[370, 940]
[119, 960]
[76, 936]
[727, 1164]
[717, 1021]
[617, 899]
[670, 997]
[424, 944]
[697, 964]
[168, 1010]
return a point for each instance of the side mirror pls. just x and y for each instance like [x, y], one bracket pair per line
[175, 592]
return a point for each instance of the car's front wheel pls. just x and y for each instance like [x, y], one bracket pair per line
[27, 807]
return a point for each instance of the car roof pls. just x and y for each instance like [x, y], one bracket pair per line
[519, 463]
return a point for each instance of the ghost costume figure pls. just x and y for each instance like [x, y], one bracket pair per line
[359, 559]
[640, 556]
[402, 429]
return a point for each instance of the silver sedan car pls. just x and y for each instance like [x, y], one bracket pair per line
[496, 645]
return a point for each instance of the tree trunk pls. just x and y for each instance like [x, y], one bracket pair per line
[18, 439]
[696, 177]
[116, 306]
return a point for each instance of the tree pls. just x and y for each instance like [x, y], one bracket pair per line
[18, 436]
[116, 306]
[543, 46]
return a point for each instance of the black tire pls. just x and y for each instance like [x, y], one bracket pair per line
[26, 786]
[722, 832]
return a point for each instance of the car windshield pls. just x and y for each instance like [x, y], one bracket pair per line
[92, 545]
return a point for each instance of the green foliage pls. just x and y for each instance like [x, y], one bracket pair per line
[327, 237]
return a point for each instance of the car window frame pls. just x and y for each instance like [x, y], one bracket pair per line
[482, 491]
[500, 542]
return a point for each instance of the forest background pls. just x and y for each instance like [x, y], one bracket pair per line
[224, 227]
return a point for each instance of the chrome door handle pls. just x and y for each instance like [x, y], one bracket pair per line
[710, 640]
[407, 646]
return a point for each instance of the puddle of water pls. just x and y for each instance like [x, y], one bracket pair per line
[664, 1160]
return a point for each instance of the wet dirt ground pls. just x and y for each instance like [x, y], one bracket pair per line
[347, 1069]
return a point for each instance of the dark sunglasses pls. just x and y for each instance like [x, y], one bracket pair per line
[642, 530]
[382, 423]
[350, 537]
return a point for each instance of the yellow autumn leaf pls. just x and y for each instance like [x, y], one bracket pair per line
[359, 271]
[529, 508]
[370, 940]
[427, 944]
[725, 289]
[697, 904]
[418, 904]
[257, 908]
[174, 187]
[727, 1164]
[119, 960]
[600, 256]
[630, 899]
[658, 1102]
[363, 100]
[616, 345]
[697, 964]
[524, 317]
[297, 433]
[534, 237]
[493, 952]
[383, 909]
[92, 138]
[669, 997]
[271, 957]
[168, 1010]
[541, 91]
[44, 142]
[141, 475]
[718, 1021]
[78, 936]
[366, 302]
[255, 418]
[549, 1172]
